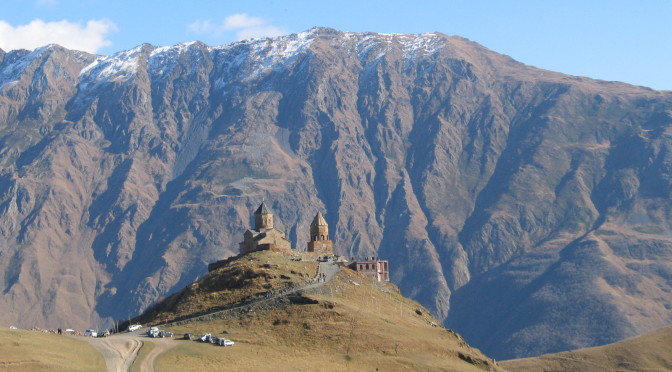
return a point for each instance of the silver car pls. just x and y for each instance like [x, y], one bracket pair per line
[91, 332]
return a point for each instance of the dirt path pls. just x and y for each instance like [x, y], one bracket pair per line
[121, 350]
[329, 269]
[161, 345]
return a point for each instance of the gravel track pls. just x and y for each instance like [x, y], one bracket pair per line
[121, 350]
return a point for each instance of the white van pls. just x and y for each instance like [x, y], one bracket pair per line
[91, 332]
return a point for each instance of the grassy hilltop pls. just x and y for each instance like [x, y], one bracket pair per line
[350, 323]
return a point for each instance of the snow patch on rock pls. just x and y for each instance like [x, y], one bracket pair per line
[120, 66]
[250, 59]
[11, 73]
[163, 60]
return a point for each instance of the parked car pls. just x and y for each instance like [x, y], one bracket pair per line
[153, 332]
[225, 342]
[134, 327]
[188, 336]
[69, 331]
[165, 334]
[205, 338]
[90, 332]
[12, 327]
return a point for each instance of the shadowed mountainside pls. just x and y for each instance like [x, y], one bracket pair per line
[528, 209]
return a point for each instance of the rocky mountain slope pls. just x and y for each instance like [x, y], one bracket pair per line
[528, 209]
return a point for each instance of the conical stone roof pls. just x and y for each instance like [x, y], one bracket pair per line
[263, 209]
[319, 220]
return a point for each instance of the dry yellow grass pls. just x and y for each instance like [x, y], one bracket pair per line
[242, 277]
[356, 324]
[35, 351]
[650, 352]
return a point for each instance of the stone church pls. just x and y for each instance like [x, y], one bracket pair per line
[265, 236]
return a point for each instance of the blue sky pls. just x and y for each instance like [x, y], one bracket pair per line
[628, 41]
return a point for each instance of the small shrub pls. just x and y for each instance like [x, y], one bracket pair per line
[280, 321]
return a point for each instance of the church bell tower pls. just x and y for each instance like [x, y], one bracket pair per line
[263, 218]
[319, 236]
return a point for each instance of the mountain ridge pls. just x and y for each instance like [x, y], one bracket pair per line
[461, 166]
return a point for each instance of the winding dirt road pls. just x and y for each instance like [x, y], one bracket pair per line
[161, 345]
[121, 350]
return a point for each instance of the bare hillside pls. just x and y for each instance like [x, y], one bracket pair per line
[650, 352]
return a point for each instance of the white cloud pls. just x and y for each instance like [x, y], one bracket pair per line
[242, 20]
[90, 37]
[245, 27]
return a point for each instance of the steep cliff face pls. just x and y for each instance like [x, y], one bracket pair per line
[529, 209]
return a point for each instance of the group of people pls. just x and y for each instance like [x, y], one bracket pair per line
[279, 292]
